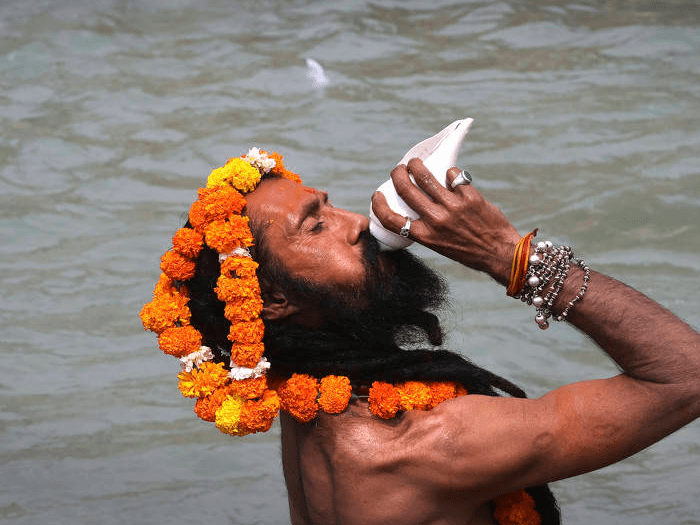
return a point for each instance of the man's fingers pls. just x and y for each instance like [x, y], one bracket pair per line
[452, 174]
[413, 196]
[391, 220]
[427, 181]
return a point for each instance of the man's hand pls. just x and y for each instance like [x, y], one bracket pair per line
[501, 444]
[457, 223]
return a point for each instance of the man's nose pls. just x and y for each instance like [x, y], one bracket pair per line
[355, 224]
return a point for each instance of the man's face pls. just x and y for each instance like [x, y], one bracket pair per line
[314, 240]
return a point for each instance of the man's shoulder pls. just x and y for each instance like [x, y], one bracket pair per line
[357, 434]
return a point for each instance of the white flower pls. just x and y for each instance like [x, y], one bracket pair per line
[238, 252]
[239, 373]
[196, 358]
[260, 160]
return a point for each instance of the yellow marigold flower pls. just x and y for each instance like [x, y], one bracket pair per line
[414, 396]
[202, 381]
[237, 173]
[243, 267]
[188, 242]
[229, 414]
[247, 332]
[206, 407]
[384, 400]
[247, 355]
[177, 266]
[225, 236]
[251, 388]
[165, 311]
[231, 288]
[257, 416]
[298, 397]
[335, 394]
[180, 340]
[244, 309]
[516, 508]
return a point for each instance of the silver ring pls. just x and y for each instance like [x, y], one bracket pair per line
[463, 178]
[406, 228]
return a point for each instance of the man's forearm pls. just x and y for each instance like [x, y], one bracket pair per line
[646, 340]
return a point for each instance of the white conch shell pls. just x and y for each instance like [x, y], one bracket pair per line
[438, 153]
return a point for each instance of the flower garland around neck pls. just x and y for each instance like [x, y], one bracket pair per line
[238, 398]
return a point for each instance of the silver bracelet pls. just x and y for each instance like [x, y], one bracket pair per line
[550, 266]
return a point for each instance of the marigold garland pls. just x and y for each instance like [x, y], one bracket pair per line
[202, 381]
[516, 508]
[176, 266]
[335, 392]
[238, 398]
[298, 396]
[165, 311]
[180, 340]
[188, 242]
[206, 407]
[384, 400]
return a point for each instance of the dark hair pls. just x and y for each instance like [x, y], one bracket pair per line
[383, 343]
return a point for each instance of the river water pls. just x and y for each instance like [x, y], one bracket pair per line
[112, 113]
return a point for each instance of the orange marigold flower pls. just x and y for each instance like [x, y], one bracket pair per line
[176, 266]
[247, 355]
[516, 508]
[180, 340]
[251, 388]
[244, 309]
[441, 391]
[258, 415]
[279, 164]
[247, 332]
[414, 395]
[165, 311]
[206, 407]
[460, 390]
[298, 397]
[165, 285]
[243, 267]
[279, 168]
[198, 215]
[215, 204]
[202, 381]
[231, 288]
[384, 400]
[222, 201]
[237, 173]
[225, 236]
[335, 394]
[187, 242]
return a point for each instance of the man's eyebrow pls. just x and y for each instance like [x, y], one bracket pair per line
[310, 207]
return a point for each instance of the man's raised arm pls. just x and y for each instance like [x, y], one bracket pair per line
[578, 427]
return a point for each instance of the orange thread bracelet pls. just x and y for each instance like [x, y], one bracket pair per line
[518, 268]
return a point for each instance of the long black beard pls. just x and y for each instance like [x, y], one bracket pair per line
[397, 312]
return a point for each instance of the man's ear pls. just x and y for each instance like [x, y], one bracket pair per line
[276, 306]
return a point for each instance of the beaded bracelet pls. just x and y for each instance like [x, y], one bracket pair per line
[550, 266]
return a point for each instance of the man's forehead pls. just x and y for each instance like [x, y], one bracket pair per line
[278, 198]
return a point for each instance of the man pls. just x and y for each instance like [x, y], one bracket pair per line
[332, 304]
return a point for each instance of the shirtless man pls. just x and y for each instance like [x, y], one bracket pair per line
[446, 465]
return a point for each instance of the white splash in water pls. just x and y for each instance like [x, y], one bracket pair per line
[316, 74]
